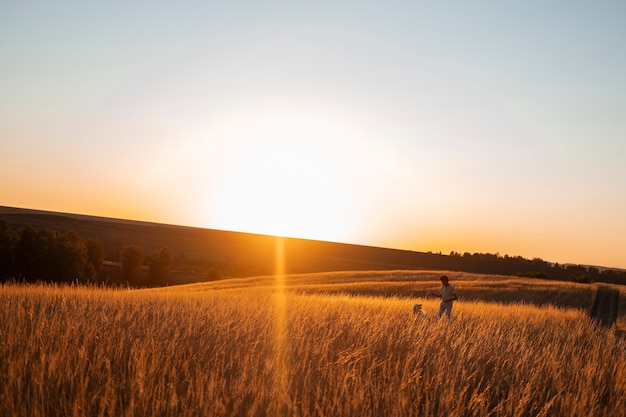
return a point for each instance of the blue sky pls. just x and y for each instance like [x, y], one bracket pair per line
[448, 126]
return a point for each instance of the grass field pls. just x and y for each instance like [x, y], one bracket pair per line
[342, 344]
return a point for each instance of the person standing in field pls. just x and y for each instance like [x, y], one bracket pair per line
[447, 293]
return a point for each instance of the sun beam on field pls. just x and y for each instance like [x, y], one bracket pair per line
[281, 374]
[285, 175]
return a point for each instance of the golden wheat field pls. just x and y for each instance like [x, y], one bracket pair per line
[308, 346]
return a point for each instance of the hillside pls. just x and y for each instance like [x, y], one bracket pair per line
[236, 254]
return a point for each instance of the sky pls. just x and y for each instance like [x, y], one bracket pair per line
[486, 126]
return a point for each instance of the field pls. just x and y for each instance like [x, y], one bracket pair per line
[334, 344]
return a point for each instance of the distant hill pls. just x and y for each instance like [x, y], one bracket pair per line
[235, 254]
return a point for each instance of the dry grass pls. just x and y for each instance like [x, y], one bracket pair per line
[417, 284]
[262, 350]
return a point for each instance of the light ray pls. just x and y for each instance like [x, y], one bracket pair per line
[281, 373]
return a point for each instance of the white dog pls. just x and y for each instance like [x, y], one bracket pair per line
[417, 310]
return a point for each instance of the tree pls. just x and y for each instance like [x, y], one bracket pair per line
[161, 263]
[71, 259]
[8, 242]
[95, 253]
[43, 254]
[131, 258]
[30, 253]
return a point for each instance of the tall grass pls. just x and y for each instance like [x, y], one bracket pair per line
[70, 351]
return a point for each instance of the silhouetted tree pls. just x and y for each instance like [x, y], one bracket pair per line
[33, 254]
[161, 263]
[132, 261]
[46, 255]
[576, 269]
[71, 258]
[8, 242]
[95, 253]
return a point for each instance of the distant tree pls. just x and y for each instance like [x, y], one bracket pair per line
[43, 254]
[613, 276]
[8, 242]
[608, 275]
[95, 253]
[576, 269]
[131, 258]
[71, 258]
[33, 254]
[161, 263]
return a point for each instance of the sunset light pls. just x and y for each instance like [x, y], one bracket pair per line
[424, 127]
[287, 175]
[265, 208]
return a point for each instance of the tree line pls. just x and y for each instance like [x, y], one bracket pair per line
[536, 268]
[40, 254]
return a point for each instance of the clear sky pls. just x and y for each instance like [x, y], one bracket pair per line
[461, 126]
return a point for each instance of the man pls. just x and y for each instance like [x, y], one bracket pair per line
[448, 295]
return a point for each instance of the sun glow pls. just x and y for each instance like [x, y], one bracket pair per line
[286, 175]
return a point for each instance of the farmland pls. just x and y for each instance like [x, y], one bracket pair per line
[309, 345]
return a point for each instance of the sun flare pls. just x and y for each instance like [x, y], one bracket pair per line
[287, 176]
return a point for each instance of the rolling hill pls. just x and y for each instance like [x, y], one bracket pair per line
[236, 254]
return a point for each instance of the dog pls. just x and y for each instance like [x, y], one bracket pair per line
[417, 310]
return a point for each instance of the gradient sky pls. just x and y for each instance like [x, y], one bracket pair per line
[493, 127]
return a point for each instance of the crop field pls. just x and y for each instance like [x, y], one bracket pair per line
[334, 344]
